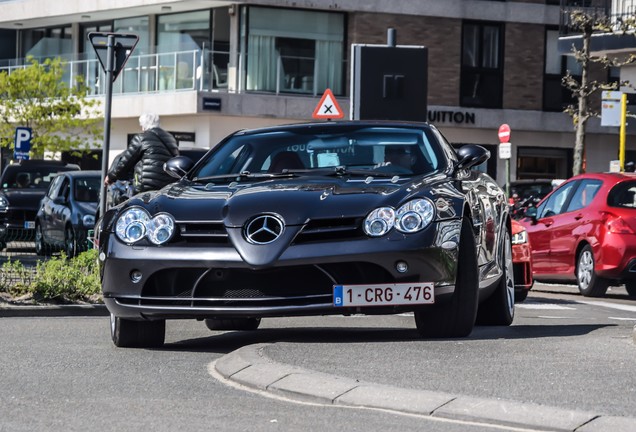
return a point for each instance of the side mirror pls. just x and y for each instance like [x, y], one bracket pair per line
[59, 200]
[178, 166]
[531, 212]
[471, 155]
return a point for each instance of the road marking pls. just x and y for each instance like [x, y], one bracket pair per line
[543, 306]
[622, 307]
[622, 319]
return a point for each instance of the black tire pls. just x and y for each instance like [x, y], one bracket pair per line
[521, 295]
[40, 245]
[630, 286]
[455, 318]
[246, 324]
[589, 283]
[499, 308]
[137, 334]
[70, 242]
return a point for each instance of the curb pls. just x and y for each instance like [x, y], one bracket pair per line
[10, 311]
[250, 367]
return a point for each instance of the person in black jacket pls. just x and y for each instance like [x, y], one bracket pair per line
[146, 153]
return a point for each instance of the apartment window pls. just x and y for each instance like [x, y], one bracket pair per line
[47, 42]
[555, 96]
[481, 70]
[292, 51]
[183, 31]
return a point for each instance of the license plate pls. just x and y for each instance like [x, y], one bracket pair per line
[384, 294]
[29, 224]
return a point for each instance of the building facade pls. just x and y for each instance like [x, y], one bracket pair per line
[210, 67]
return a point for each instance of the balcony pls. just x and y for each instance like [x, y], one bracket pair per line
[613, 42]
[197, 70]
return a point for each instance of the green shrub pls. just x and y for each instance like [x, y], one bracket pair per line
[15, 278]
[68, 280]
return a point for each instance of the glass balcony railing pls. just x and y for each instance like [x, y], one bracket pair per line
[202, 70]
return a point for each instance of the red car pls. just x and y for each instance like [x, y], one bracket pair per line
[585, 232]
[521, 261]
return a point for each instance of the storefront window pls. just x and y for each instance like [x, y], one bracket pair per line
[293, 50]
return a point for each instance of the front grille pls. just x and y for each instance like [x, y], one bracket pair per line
[289, 286]
[336, 229]
[203, 232]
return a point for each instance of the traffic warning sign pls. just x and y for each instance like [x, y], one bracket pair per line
[328, 107]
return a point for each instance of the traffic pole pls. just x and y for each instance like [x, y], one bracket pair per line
[621, 140]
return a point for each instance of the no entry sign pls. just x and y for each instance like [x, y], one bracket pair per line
[504, 133]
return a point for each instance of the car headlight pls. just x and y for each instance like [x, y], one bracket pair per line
[520, 238]
[4, 204]
[379, 221]
[88, 220]
[135, 223]
[414, 215]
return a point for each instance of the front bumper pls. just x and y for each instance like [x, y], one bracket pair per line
[206, 280]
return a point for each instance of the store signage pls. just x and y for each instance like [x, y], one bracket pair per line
[458, 117]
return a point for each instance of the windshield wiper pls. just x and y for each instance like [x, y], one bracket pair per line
[342, 171]
[244, 175]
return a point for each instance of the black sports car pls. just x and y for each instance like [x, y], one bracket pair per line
[313, 219]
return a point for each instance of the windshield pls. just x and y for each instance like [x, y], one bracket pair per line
[316, 150]
[87, 189]
[30, 177]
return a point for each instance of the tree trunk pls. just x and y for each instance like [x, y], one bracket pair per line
[583, 115]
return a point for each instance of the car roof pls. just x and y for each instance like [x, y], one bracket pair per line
[334, 125]
[82, 173]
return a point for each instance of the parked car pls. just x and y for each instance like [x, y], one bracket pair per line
[528, 192]
[521, 261]
[585, 232]
[67, 213]
[23, 184]
[313, 219]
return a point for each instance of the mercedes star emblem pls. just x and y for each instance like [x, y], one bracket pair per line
[264, 229]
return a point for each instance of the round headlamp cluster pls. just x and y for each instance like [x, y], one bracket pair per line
[135, 223]
[412, 217]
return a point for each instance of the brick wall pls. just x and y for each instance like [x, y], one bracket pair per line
[442, 36]
[523, 66]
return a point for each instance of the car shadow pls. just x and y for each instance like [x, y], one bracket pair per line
[226, 342]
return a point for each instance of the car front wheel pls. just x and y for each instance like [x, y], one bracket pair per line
[455, 318]
[70, 242]
[137, 334]
[40, 246]
[499, 308]
[590, 284]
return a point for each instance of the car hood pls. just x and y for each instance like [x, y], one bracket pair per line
[24, 198]
[87, 207]
[296, 200]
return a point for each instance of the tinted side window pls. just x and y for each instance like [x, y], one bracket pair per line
[584, 194]
[623, 195]
[555, 203]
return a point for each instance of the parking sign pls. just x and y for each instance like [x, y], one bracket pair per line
[22, 143]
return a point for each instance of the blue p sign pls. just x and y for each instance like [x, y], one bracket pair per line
[22, 143]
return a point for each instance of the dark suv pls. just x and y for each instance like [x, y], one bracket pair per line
[22, 185]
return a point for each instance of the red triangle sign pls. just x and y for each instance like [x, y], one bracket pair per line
[328, 107]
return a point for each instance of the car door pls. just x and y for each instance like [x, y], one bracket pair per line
[59, 206]
[541, 231]
[47, 208]
[572, 224]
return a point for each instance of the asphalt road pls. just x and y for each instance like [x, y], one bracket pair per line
[63, 373]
